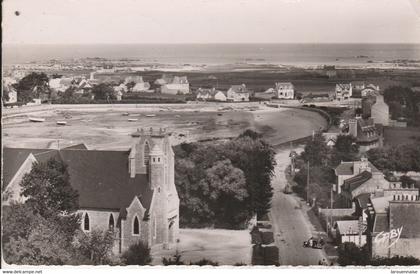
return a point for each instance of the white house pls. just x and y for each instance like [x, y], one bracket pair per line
[211, 94]
[284, 90]
[351, 231]
[177, 85]
[343, 91]
[238, 93]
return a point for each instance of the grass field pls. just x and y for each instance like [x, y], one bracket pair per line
[106, 128]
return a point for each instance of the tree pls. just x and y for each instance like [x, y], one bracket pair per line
[137, 254]
[103, 91]
[29, 238]
[316, 150]
[95, 245]
[32, 86]
[225, 187]
[345, 149]
[350, 254]
[48, 189]
[130, 85]
[41, 230]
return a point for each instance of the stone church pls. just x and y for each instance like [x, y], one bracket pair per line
[131, 193]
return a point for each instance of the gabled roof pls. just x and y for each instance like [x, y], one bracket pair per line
[239, 88]
[13, 160]
[101, 177]
[363, 200]
[345, 168]
[343, 86]
[356, 181]
[348, 227]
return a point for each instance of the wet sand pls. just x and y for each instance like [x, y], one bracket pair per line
[106, 129]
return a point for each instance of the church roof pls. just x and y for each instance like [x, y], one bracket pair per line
[101, 177]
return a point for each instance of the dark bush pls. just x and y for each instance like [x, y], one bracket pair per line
[137, 254]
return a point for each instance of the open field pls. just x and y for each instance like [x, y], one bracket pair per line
[226, 247]
[105, 127]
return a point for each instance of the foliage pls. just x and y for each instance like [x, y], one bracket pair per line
[95, 245]
[404, 157]
[41, 230]
[345, 149]
[224, 184]
[176, 260]
[321, 180]
[29, 238]
[137, 254]
[103, 91]
[408, 182]
[48, 189]
[316, 150]
[396, 260]
[403, 102]
[37, 241]
[130, 85]
[350, 254]
[32, 86]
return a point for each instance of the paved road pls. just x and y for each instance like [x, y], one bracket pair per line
[290, 226]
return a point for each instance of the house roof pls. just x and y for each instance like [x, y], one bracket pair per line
[348, 227]
[356, 181]
[284, 85]
[101, 177]
[363, 200]
[380, 204]
[239, 88]
[343, 86]
[13, 160]
[381, 223]
[345, 168]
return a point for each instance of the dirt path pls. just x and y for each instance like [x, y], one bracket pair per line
[290, 226]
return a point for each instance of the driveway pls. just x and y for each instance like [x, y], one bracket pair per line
[290, 226]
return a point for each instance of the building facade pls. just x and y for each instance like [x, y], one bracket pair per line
[238, 93]
[131, 193]
[284, 90]
[343, 91]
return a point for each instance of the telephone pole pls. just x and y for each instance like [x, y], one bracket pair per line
[307, 185]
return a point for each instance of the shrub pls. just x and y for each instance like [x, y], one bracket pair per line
[137, 254]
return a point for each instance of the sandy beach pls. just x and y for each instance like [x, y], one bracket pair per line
[106, 127]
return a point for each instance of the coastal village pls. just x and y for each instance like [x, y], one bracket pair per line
[377, 210]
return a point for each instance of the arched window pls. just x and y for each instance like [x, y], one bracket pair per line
[86, 225]
[111, 222]
[136, 226]
[146, 153]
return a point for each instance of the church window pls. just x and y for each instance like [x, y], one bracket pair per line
[86, 224]
[111, 222]
[136, 226]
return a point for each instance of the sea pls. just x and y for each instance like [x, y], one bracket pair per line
[309, 54]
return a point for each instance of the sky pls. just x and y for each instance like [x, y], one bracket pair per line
[210, 21]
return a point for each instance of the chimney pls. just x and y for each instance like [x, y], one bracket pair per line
[132, 162]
